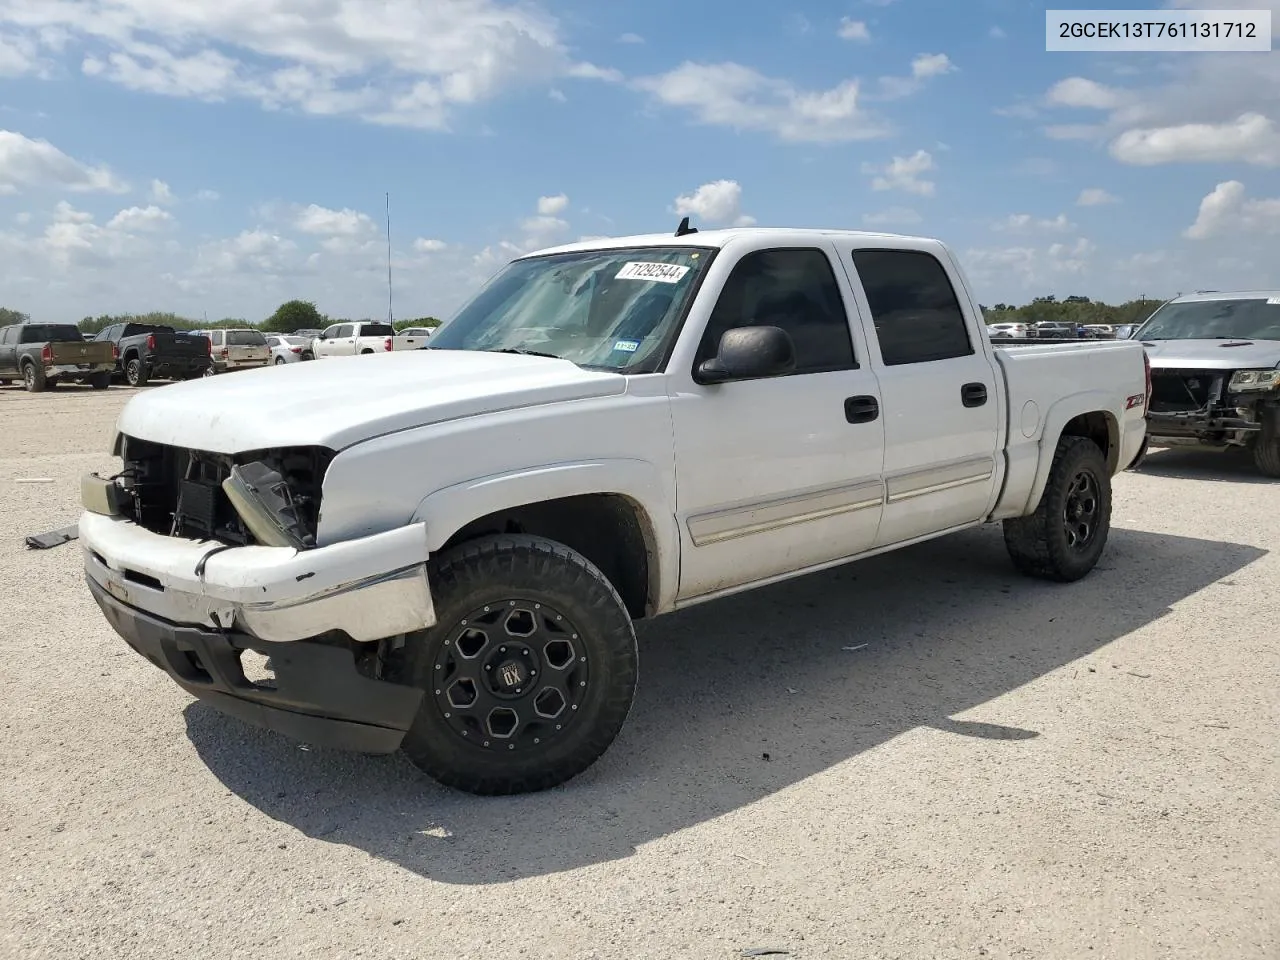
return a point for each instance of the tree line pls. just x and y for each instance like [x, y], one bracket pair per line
[305, 315]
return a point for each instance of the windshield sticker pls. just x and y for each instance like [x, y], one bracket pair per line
[1273, 300]
[627, 346]
[658, 272]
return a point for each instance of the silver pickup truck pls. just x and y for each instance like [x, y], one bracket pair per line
[1215, 373]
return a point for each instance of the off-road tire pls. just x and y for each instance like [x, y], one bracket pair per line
[1266, 449]
[1039, 544]
[33, 377]
[493, 571]
[100, 381]
[135, 373]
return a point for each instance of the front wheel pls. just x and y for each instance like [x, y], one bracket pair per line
[1266, 449]
[1066, 535]
[529, 672]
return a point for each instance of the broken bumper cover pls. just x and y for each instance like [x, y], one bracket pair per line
[1196, 425]
[370, 588]
[317, 696]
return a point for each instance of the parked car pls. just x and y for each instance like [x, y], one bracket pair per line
[1101, 331]
[351, 339]
[306, 334]
[412, 338]
[1016, 331]
[1053, 330]
[289, 349]
[236, 349]
[45, 354]
[1215, 373]
[148, 351]
[450, 559]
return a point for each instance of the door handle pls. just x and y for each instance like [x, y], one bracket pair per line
[973, 394]
[861, 409]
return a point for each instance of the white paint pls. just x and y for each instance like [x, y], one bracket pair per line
[770, 472]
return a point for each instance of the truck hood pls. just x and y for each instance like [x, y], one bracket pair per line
[337, 402]
[1212, 354]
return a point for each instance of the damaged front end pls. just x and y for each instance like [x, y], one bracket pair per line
[264, 497]
[1218, 408]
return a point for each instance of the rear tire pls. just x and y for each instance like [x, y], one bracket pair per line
[33, 377]
[1066, 535]
[279, 361]
[135, 374]
[517, 611]
[363, 352]
[1266, 449]
[100, 381]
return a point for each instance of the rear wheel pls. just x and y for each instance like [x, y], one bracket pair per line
[363, 352]
[209, 371]
[1266, 449]
[529, 672]
[135, 374]
[279, 361]
[1066, 535]
[33, 377]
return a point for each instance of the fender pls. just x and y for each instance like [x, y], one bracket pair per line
[1066, 409]
[449, 509]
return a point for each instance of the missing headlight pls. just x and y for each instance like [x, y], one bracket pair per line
[262, 498]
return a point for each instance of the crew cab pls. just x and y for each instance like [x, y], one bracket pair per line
[43, 355]
[352, 339]
[450, 560]
[1215, 373]
[146, 350]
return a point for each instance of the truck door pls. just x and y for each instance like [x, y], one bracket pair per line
[939, 392]
[8, 351]
[778, 474]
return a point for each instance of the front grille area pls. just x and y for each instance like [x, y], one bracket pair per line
[178, 492]
[1175, 391]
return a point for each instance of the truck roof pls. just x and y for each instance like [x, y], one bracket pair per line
[719, 238]
[1227, 295]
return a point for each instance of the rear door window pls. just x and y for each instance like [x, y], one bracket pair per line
[914, 308]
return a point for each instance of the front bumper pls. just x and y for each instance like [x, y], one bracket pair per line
[369, 589]
[1206, 425]
[318, 695]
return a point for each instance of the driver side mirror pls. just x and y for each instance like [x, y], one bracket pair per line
[749, 353]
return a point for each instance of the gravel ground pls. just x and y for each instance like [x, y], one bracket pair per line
[1006, 768]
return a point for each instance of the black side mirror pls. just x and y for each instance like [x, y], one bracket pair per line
[748, 353]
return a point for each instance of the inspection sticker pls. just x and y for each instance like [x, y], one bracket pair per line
[627, 346]
[1273, 300]
[659, 272]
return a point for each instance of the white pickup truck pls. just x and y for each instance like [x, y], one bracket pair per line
[443, 551]
[354, 339]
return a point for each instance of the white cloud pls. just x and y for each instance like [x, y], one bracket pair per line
[734, 96]
[931, 65]
[892, 217]
[160, 192]
[66, 213]
[1226, 209]
[851, 29]
[631, 38]
[17, 56]
[1083, 94]
[251, 251]
[207, 195]
[1250, 138]
[26, 163]
[1026, 223]
[717, 203]
[427, 245]
[551, 206]
[400, 62]
[321, 221]
[134, 219]
[1094, 197]
[903, 173]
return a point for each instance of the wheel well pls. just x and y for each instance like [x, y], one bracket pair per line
[366, 350]
[1099, 427]
[607, 529]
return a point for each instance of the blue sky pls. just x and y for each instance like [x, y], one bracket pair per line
[221, 156]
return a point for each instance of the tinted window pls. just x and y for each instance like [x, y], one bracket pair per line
[245, 338]
[376, 330]
[345, 330]
[50, 332]
[913, 306]
[329, 333]
[792, 289]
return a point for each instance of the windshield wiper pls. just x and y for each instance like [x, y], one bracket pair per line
[526, 353]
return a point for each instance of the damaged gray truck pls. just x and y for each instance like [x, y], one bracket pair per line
[1215, 374]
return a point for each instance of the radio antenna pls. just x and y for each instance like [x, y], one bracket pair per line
[390, 312]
